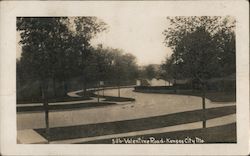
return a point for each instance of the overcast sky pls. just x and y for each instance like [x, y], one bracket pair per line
[141, 36]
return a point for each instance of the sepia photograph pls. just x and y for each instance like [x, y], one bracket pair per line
[124, 78]
[91, 80]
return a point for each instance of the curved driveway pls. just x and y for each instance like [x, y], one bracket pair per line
[146, 105]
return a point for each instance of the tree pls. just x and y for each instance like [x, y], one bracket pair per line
[119, 72]
[63, 63]
[165, 71]
[226, 55]
[150, 72]
[40, 39]
[86, 28]
[118, 68]
[197, 44]
[130, 68]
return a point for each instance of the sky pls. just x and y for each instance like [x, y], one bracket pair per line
[140, 36]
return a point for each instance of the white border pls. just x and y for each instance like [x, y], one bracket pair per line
[10, 10]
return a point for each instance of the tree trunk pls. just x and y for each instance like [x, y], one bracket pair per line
[204, 105]
[119, 92]
[98, 94]
[84, 83]
[175, 89]
[65, 88]
[118, 87]
[192, 85]
[224, 84]
[84, 88]
[46, 107]
[54, 86]
[103, 91]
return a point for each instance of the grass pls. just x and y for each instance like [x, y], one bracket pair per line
[52, 100]
[218, 134]
[108, 98]
[63, 107]
[117, 99]
[214, 96]
[221, 96]
[107, 128]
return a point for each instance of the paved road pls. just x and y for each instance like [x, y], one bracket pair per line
[146, 105]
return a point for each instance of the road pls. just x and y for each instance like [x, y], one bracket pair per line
[146, 105]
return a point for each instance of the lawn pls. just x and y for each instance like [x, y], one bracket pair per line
[63, 107]
[117, 99]
[214, 96]
[108, 98]
[53, 100]
[219, 134]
